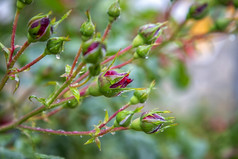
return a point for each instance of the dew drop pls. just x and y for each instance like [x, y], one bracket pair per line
[113, 133]
[105, 110]
[146, 57]
[57, 56]
[81, 136]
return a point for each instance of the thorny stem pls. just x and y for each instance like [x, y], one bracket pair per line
[71, 133]
[24, 46]
[11, 64]
[113, 116]
[109, 26]
[123, 64]
[75, 60]
[14, 27]
[31, 63]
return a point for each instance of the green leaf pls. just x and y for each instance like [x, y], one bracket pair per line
[6, 51]
[67, 69]
[138, 109]
[89, 141]
[97, 130]
[44, 156]
[75, 93]
[98, 142]
[41, 100]
[106, 116]
[16, 78]
[62, 18]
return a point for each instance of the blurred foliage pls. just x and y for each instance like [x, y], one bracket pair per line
[196, 138]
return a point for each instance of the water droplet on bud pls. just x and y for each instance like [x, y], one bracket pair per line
[57, 56]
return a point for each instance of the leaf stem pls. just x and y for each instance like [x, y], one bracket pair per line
[109, 26]
[75, 60]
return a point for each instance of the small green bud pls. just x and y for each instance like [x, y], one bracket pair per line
[95, 70]
[22, 3]
[39, 28]
[221, 24]
[135, 124]
[55, 45]
[93, 90]
[137, 41]
[198, 11]
[124, 117]
[142, 51]
[71, 104]
[114, 11]
[140, 96]
[87, 29]
[93, 51]
[150, 32]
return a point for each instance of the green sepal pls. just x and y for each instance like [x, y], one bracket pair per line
[41, 100]
[6, 51]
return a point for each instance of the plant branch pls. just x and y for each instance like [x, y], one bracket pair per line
[75, 60]
[109, 26]
[14, 27]
[71, 133]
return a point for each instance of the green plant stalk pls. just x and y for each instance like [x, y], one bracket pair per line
[66, 84]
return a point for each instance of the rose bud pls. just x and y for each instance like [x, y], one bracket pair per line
[149, 33]
[55, 45]
[198, 11]
[111, 83]
[114, 11]
[71, 104]
[95, 70]
[221, 24]
[142, 51]
[93, 51]
[140, 96]
[87, 29]
[123, 118]
[137, 41]
[22, 3]
[39, 28]
[152, 122]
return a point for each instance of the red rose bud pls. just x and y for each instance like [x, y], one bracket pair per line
[142, 51]
[22, 3]
[152, 122]
[39, 28]
[87, 29]
[55, 45]
[198, 11]
[150, 32]
[123, 118]
[112, 83]
[114, 11]
[93, 51]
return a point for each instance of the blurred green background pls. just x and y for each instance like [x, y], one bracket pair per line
[202, 94]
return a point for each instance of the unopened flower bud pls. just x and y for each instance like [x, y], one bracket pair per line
[152, 122]
[137, 41]
[87, 29]
[112, 83]
[71, 104]
[198, 11]
[55, 45]
[22, 3]
[140, 96]
[135, 124]
[95, 70]
[39, 28]
[114, 11]
[93, 51]
[123, 118]
[150, 32]
[221, 24]
[142, 51]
